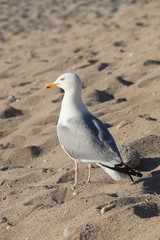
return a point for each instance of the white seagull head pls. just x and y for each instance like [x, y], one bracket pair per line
[67, 81]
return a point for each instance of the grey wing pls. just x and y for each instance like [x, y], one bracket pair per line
[86, 138]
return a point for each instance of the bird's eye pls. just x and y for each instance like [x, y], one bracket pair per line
[62, 79]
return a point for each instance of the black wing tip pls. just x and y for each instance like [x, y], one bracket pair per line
[139, 174]
[133, 172]
[125, 169]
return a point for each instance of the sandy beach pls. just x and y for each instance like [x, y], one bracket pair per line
[114, 46]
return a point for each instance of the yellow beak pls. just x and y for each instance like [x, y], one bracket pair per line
[50, 85]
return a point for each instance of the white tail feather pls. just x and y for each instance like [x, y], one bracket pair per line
[117, 176]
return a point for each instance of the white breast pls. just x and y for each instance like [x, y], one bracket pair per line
[72, 106]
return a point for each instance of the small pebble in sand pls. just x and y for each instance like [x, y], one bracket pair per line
[9, 61]
[1, 183]
[66, 233]
[131, 54]
[75, 193]
[113, 194]
[107, 208]
[45, 161]
[31, 54]
[3, 219]
[8, 227]
[12, 98]
[122, 124]
[30, 166]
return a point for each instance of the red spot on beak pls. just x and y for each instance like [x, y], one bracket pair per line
[48, 86]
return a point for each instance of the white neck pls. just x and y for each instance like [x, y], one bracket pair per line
[72, 106]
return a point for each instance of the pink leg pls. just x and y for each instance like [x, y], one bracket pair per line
[89, 174]
[76, 175]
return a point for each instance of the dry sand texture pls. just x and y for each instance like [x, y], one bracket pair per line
[114, 46]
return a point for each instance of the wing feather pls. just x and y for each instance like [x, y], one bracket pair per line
[87, 138]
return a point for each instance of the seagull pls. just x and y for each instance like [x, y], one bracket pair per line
[83, 136]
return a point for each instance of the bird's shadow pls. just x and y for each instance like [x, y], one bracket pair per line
[149, 164]
[147, 210]
[151, 184]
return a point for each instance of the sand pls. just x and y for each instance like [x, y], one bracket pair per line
[114, 47]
